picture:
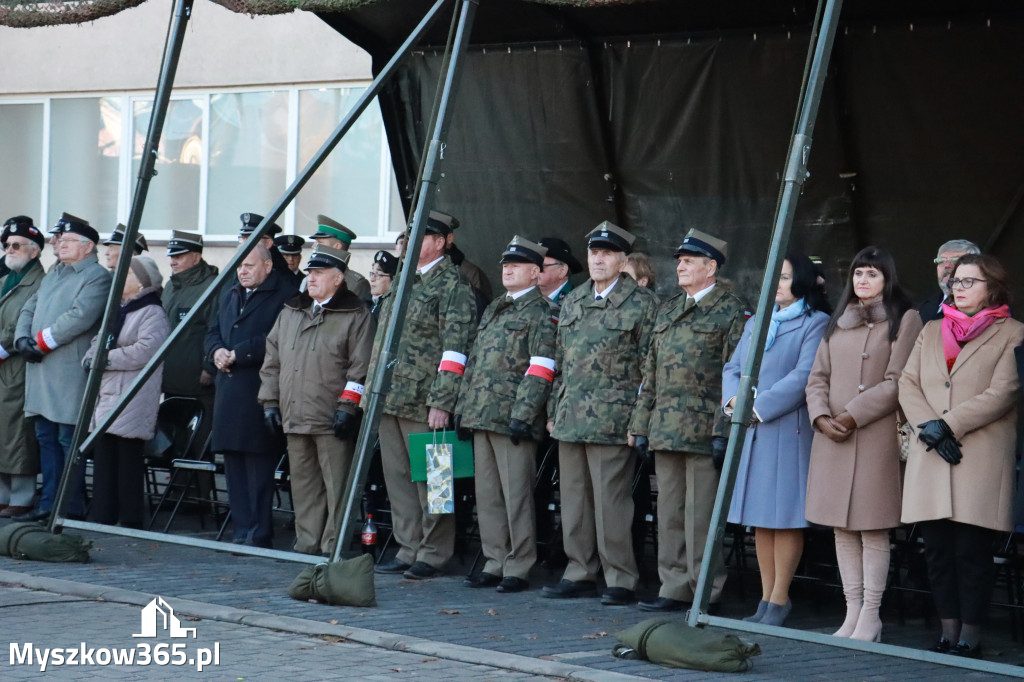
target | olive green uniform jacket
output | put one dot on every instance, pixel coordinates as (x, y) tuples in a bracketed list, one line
[(18, 453), (185, 361)]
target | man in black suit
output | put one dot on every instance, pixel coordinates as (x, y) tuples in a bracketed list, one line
[(945, 263)]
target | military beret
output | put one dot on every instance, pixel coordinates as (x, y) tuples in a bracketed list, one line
[(608, 235), (73, 224), (703, 244), (22, 226), (250, 221), (117, 237), (386, 261), (441, 223), (290, 244), (560, 251), (521, 250), (184, 242), (327, 228), (328, 257)]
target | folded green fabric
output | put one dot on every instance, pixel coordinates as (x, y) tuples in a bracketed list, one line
[(675, 644)]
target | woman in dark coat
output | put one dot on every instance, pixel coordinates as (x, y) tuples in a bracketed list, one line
[(236, 343), (771, 481)]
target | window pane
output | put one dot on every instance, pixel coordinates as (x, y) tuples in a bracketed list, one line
[(85, 146), (21, 139), (347, 185), (248, 146), (173, 198)]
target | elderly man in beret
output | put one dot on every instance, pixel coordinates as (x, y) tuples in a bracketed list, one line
[(330, 232), (114, 243), (53, 334), (604, 331), (312, 380), (19, 456), (679, 418)]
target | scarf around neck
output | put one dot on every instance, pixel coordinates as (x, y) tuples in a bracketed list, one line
[(958, 328), (780, 315)]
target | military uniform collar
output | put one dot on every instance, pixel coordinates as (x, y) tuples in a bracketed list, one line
[(426, 269), (437, 268), (525, 297), (619, 293)]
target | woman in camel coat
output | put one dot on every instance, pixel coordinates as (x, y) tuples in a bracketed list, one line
[(959, 389), (853, 480)]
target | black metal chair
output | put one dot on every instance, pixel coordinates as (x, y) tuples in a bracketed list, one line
[(177, 423)]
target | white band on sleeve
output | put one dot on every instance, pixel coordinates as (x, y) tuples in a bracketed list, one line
[(452, 361), (541, 367), (45, 340), (353, 392)]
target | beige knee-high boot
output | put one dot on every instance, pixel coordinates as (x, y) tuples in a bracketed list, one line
[(876, 572), (851, 571)]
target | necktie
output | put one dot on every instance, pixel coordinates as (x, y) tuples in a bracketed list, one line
[(598, 297), (690, 302)]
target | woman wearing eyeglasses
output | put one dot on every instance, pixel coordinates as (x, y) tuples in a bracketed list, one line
[(959, 389), (382, 272)]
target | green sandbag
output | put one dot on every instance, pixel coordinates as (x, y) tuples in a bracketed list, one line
[(302, 587), (32, 541), (346, 583), (675, 644)]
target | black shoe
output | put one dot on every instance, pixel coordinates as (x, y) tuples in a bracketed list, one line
[(966, 650), (34, 515), (393, 566), (570, 589), (942, 646), (510, 585), (482, 580), (421, 571), (618, 596), (663, 605)]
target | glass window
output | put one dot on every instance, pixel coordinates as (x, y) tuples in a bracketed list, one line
[(85, 149), (347, 186), (248, 149), (173, 199), (21, 139)]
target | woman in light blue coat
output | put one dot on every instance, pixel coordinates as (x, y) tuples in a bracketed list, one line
[(771, 482)]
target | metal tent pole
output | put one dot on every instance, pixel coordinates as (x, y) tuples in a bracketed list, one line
[(172, 51), (795, 173), (430, 177), (228, 270)]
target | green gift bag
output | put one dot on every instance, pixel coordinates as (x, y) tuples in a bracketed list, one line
[(462, 453)]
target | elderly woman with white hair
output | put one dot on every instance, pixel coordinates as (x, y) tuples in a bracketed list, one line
[(140, 329)]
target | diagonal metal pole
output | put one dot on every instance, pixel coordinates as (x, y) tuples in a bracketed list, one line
[(229, 269), (430, 177), (180, 15), (795, 173)]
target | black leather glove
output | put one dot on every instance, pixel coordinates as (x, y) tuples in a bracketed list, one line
[(461, 433), (28, 349), (272, 418), (345, 425), (949, 450), (931, 432), (718, 448), (642, 449), (518, 431)]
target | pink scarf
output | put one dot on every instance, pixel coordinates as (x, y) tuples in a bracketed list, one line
[(958, 328)]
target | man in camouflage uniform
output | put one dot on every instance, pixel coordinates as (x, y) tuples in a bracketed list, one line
[(679, 410), (507, 384), (603, 335), (440, 324)]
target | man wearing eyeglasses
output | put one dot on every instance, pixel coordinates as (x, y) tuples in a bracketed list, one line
[(945, 263), (382, 273), (53, 334), (19, 457)]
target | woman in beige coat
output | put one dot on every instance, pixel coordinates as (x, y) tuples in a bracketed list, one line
[(960, 387), (853, 480)]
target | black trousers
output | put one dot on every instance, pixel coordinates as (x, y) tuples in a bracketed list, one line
[(250, 478), (118, 481), (960, 568)]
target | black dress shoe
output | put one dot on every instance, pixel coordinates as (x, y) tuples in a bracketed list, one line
[(34, 515), (570, 589), (482, 580), (618, 596), (966, 650), (421, 571), (509, 585), (393, 566), (663, 605), (942, 646)]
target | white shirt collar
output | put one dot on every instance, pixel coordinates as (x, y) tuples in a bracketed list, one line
[(702, 293), (554, 294), (516, 295), (426, 268), (604, 294)]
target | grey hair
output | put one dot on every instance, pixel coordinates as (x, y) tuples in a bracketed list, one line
[(263, 252), (964, 245)]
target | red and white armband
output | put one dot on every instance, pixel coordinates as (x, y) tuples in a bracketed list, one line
[(45, 340), (3, 353), (541, 367), (353, 392), (452, 361)]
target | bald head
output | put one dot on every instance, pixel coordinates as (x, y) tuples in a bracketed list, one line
[(254, 270)]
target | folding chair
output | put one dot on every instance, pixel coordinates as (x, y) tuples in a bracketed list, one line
[(177, 423)]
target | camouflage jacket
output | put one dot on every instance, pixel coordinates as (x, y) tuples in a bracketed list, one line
[(599, 357), (506, 377), (679, 408), (441, 317)]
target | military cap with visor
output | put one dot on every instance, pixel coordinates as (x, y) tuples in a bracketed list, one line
[(290, 244), (521, 250), (387, 262), (610, 236), (441, 223), (21, 226), (250, 221), (328, 227), (703, 244), (69, 224), (184, 242), (117, 237), (559, 250), (328, 257)]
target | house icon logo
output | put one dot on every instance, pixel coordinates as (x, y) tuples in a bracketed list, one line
[(158, 615)]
